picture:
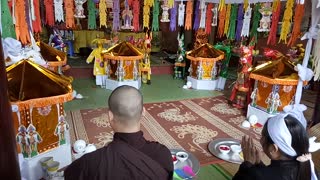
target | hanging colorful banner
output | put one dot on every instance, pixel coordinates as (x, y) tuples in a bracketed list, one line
[(276, 9), (50, 12), (7, 26), (197, 16), (189, 10), (36, 22), (227, 21), (58, 11), (155, 20), (239, 22), (222, 19), (298, 16), (136, 11), (255, 23), (233, 18), (246, 22), (173, 17), (286, 21), (92, 23), (103, 13), (208, 18), (69, 8), (21, 25), (203, 10), (146, 15), (181, 14), (116, 15)]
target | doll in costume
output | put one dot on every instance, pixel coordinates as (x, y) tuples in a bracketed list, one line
[(33, 139), (145, 64), (22, 139), (99, 67)]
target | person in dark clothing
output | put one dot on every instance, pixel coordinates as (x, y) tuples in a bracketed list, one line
[(285, 141), (129, 155)]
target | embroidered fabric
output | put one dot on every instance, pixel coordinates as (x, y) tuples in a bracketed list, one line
[(58, 11), (246, 23), (181, 14)]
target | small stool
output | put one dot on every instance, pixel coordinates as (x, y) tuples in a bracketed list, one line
[(179, 74)]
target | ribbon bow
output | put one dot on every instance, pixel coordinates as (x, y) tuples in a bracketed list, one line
[(312, 34), (304, 73)]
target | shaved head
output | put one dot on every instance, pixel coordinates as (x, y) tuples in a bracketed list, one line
[(126, 104)]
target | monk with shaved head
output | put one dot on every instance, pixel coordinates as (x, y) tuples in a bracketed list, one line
[(129, 155)]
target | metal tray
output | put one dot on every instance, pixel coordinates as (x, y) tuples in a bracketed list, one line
[(230, 157), (192, 161)]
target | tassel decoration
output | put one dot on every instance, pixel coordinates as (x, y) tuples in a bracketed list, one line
[(226, 24), (136, 11), (298, 16), (286, 21), (239, 22), (173, 17), (208, 18), (155, 13), (276, 9), (233, 18), (222, 19), (189, 10)]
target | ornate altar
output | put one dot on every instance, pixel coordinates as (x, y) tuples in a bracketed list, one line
[(37, 96), (274, 88), (204, 68), (122, 65)]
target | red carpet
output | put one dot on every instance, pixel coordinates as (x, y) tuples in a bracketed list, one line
[(188, 124)]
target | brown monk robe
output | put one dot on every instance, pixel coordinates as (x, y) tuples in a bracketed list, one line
[(129, 155)]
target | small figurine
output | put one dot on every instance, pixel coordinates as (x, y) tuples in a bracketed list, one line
[(33, 139), (200, 71), (22, 139), (79, 13), (265, 21), (246, 23), (146, 69), (61, 130), (254, 97), (120, 71), (127, 17), (147, 41), (56, 40), (165, 13)]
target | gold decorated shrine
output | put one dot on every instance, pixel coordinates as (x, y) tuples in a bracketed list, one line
[(37, 95), (203, 63), (276, 78), (123, 61), (55, 58)]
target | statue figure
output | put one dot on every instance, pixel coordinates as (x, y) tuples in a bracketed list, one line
[(127, 17), (79, 12), (254, 97), (33, 139), (147, 41), (165, 13), (200, 71), (120, 71), (61, 130), (265, 21), (22, 139)]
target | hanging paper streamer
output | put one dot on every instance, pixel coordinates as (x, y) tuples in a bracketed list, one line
[(21, 25), (255, 23), (215, 16), (286, 21), (233, 18), (116, 15), (155, 20), (298, 16), (246, 5), (58, 10), (226, 24), (36, 23), (189, 10), (239, 22), (181, 14), (208, 18), (69, 7), (170, 3), (222, 19), (197, 17), (203, 9), (92, 23), (276, 9), (146, 15), (222, 5), (173, 17), (6, 21), (50, 12), (148, 3), (246, 23), (136, 11), (103, 13), (28, 14)]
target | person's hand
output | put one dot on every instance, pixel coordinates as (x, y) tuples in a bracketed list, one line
[(250, 152)]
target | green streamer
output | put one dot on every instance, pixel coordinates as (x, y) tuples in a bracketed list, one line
[(155, 13), (255, 23), (6, 21), (225, 63), (92, 23), (233, 19)]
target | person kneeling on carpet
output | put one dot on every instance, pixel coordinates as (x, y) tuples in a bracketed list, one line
[(129, 155), (285, 141)]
